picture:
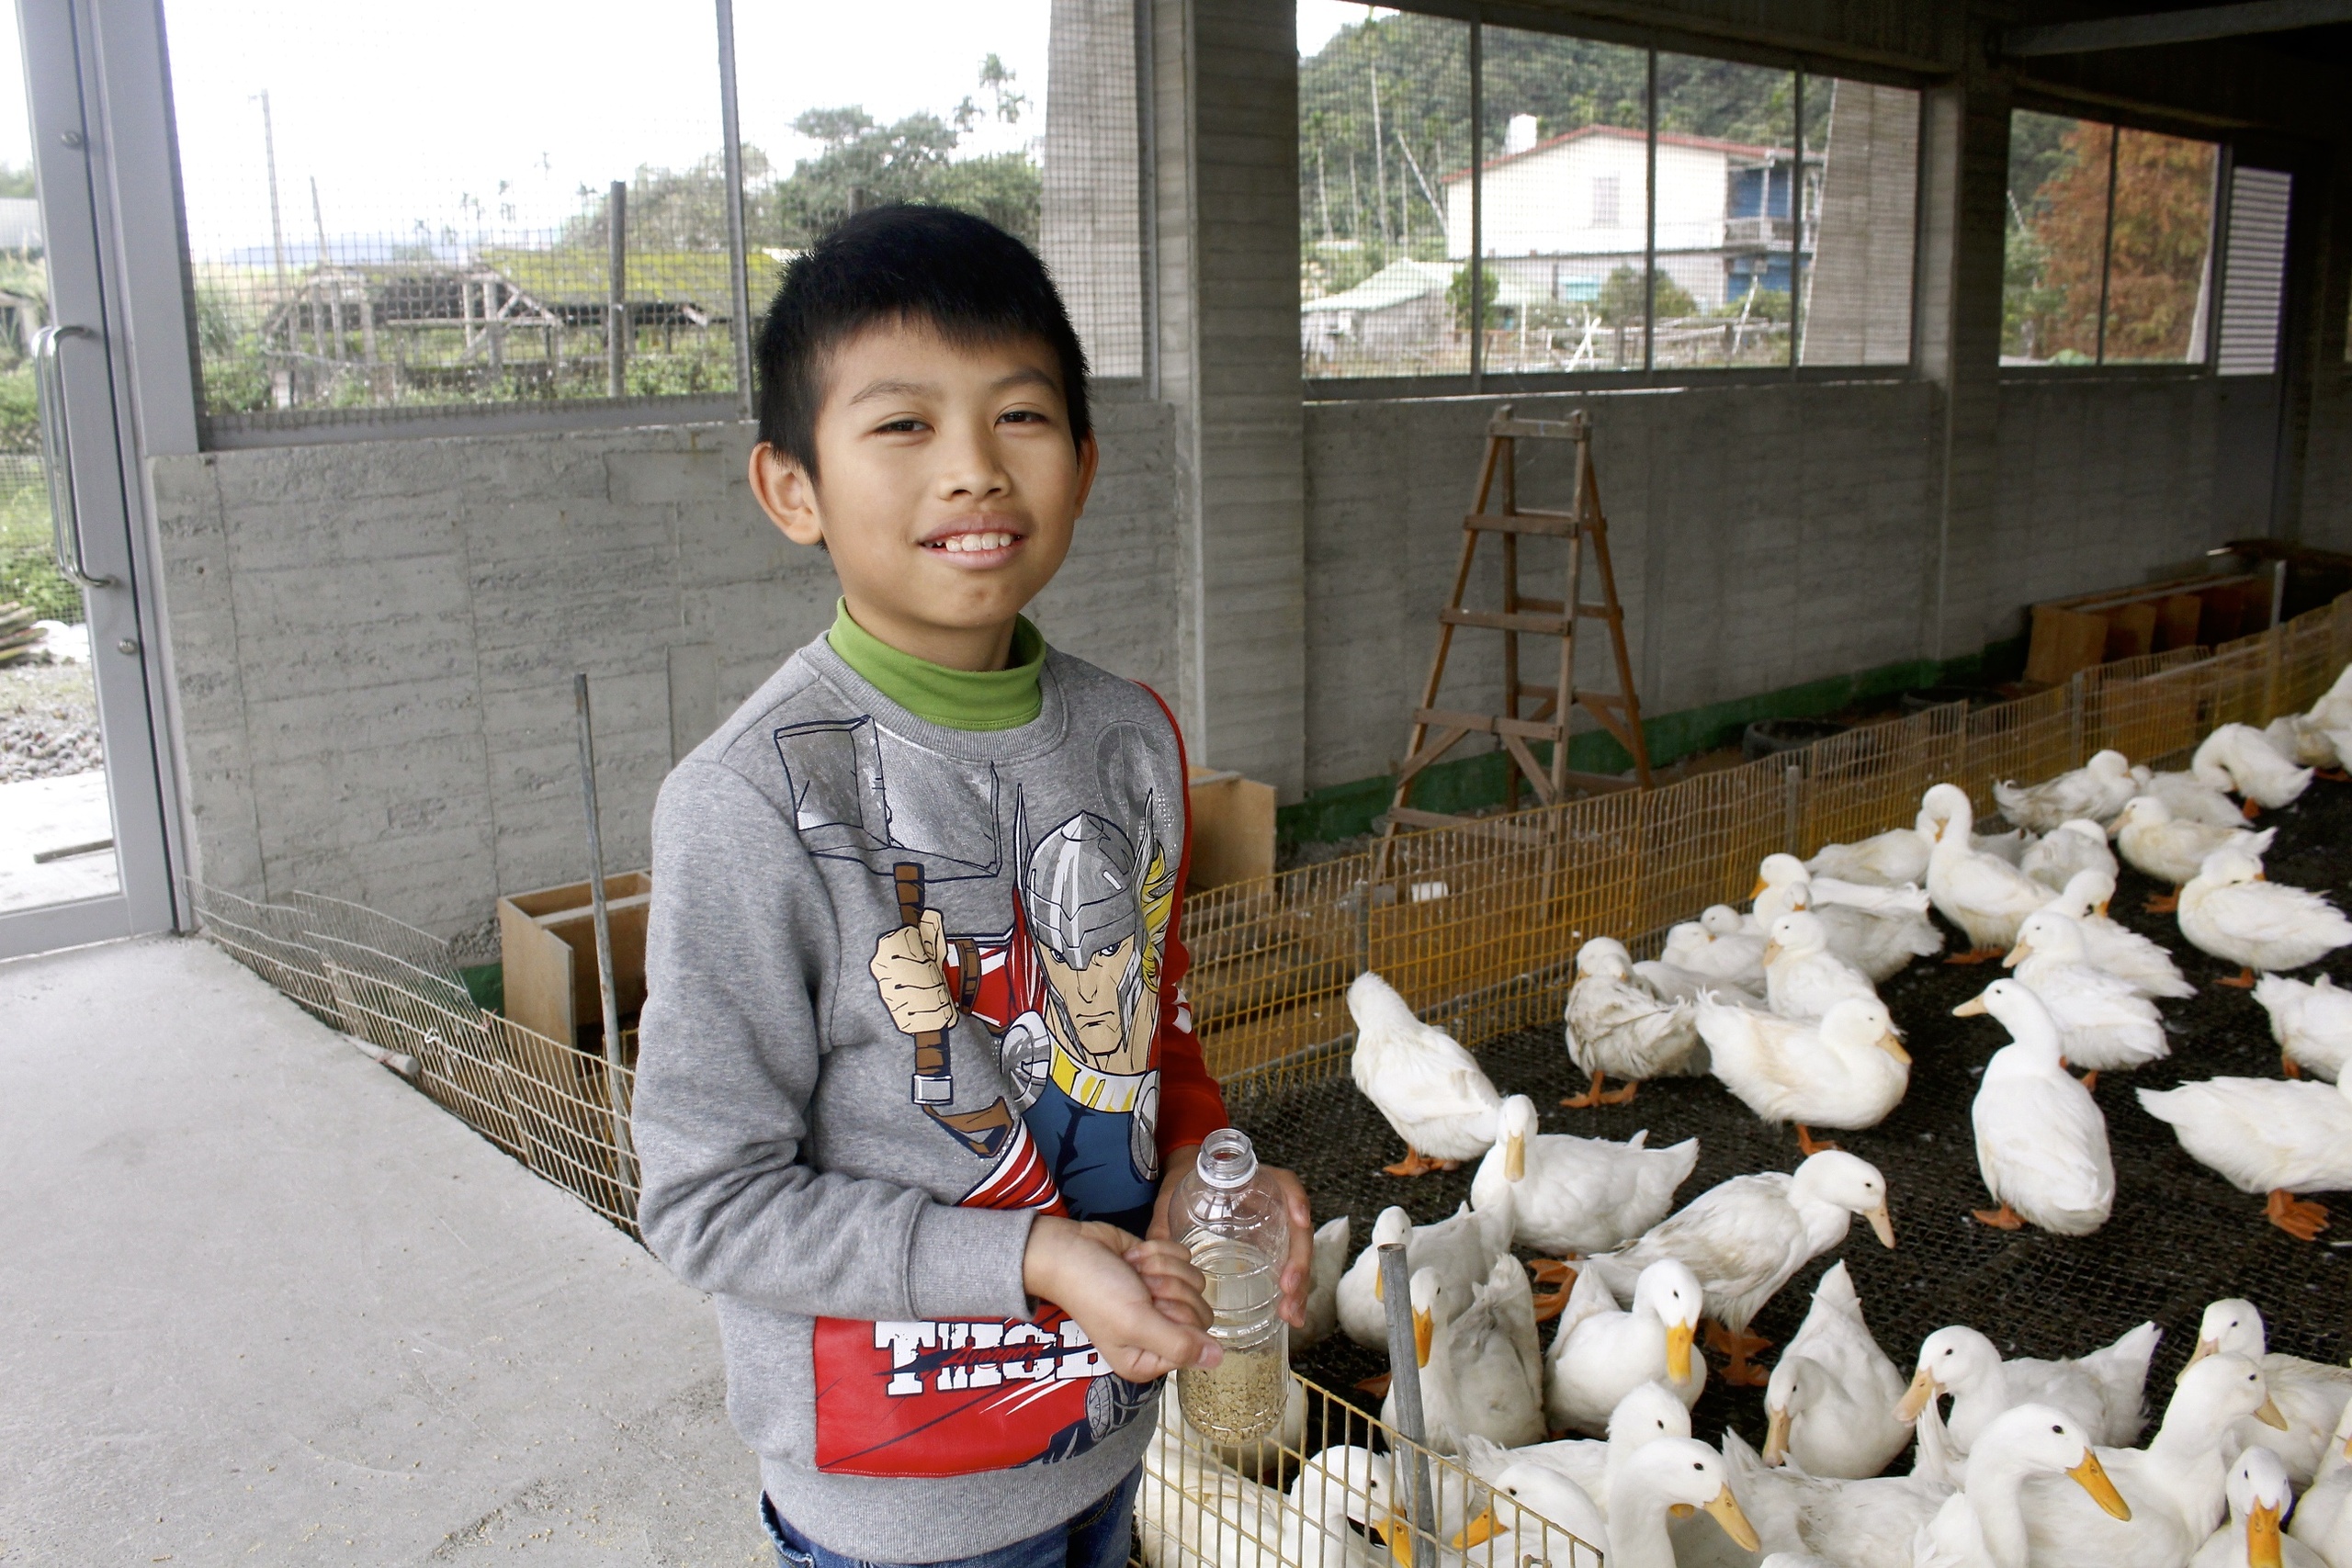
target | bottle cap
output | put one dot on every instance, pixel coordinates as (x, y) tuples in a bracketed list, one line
[(1227, 1159)]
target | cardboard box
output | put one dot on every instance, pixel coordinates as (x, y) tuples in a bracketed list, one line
[(547, 944), (1233, 828), (2093, 628)]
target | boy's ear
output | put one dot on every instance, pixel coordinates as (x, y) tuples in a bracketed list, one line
[(786, 494), (1090, 459)]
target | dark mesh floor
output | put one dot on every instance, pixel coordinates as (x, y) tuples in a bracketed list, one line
[(2179, 1236)]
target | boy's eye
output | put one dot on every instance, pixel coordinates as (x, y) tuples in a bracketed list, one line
[(901, 426), (1023, 416)]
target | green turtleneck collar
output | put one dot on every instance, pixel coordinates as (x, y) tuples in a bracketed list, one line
[(955, 699)]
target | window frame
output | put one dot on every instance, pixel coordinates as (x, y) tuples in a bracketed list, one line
[(2117, 119), (1480, 382)]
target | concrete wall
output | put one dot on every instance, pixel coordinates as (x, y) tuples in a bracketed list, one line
[(375, 641)]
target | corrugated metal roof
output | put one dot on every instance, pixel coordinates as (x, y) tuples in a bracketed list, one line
[(1391, 285)]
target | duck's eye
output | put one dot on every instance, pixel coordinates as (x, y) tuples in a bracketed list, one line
[(1696, 1465), (2059, 1430)]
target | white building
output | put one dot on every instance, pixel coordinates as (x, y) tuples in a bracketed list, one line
[(1562, 214)]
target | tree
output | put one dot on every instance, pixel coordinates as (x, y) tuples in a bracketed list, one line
[(1457, 293), (1620, 301), (2149, 256)]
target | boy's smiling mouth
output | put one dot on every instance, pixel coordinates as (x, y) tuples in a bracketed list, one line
[(974, 545)]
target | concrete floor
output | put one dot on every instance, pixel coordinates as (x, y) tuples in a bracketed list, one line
[(266, 1304), (40, 814)]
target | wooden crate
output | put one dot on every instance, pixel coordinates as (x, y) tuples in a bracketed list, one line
[(2099, 628), (1233, 828), (546, 942)]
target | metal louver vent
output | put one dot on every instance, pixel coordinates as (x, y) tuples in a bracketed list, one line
[(2254, 272)]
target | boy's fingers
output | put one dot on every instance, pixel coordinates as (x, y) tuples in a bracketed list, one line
[(1171, 1295)]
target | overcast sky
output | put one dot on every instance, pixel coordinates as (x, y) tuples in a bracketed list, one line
[(1319, 20), (401, 112)]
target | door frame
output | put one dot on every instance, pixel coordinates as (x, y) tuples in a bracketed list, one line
[(98, 96)]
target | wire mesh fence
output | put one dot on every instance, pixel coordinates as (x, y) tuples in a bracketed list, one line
[(1297, 1499), (1474, 924)]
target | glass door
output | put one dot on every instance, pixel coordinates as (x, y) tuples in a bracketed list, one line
[(82, 840)]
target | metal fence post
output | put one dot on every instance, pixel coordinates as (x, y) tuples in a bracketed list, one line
[(2077, 719), (616, 293), (1405, 1382), (1792, 779), (613, 1064)]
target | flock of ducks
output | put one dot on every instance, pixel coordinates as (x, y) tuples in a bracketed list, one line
[(2035, 1463)]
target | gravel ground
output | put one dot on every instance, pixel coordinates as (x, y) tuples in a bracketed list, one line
[(48, 722), (2180, 1235)]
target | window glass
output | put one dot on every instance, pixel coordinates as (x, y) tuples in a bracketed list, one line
[(1383, 117), (1861, 160), (1023, 111), (2056, 244), (1567, 190), (2158, 290), (1727, 175), (370, 225)]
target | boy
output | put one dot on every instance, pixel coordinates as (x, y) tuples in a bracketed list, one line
[(915, 1055)]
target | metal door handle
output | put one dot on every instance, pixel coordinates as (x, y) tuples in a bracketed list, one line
[(57, 458)]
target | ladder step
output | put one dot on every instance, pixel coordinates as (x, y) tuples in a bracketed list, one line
[(1528, 602), (1554, 524), (1488, 723), (1510, 833), (1499, 621)]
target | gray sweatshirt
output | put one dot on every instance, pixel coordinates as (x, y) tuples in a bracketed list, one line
[(908, 986)]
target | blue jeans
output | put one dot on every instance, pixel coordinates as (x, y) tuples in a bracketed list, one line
[(1097, 1537)]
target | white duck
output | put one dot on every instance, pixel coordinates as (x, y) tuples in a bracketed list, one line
[(2260, 1493), (1673, 983), (1328, 1263), (1600, 1354), (1879, 931), (1983, 1525), (2040, 1140), (2170, 848), (2312, 1396), (1830, 1401), (1461, 1248), (2268, 1137), (2102, 1023), (1868, 1523), (2115, 948), (1746, 1236), (2333, 710), (1483, 1371), (2175, 1485), (1845, 1071), (2312, 1025), (1566, 1195), (1888, 859), (1669, 1477), (1646, 1414), (1803, 979), (1983, 894), (1723, 949), (1618, 1027), (1430, 1089), (2188, 800), (2228, 909), (1525, 1498), (2103, 1390), (1193, 1511), (2298, 738), (2095, 790), (2241, 759), (2075, 845), (2321, 1520)]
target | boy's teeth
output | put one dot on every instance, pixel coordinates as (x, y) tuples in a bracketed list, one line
[(964, 543)]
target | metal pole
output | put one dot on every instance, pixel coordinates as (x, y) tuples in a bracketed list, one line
[(1797, 214), (1405, 1382), (739, 278), (603, 921), (1477, 216), (276, 228), (616, 295), (1792, 783), (1649, 225)]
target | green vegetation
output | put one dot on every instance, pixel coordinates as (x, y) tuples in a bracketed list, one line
[(1620, 300), (29, 572)]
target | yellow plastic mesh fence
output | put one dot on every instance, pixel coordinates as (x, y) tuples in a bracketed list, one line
[(1298, 1498), (1476, 924)]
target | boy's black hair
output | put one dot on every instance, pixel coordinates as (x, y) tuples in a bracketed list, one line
[(960, 274)]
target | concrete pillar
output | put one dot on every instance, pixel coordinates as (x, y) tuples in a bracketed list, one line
[(1963, 191), (1091, 221), (1224, 106), (1858, 298)]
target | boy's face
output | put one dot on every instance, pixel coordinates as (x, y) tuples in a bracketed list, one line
[(948, 489)]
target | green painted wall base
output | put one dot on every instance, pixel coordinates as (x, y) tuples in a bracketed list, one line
[(1471, 784)]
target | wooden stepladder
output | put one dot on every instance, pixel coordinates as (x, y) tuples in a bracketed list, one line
[(1531, 711)]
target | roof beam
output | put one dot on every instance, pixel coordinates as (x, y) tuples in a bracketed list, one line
[(2173, 27)]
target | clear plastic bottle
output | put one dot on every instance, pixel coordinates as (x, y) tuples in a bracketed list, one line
[(1238, 1230)]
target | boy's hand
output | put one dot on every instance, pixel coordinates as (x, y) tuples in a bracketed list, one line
[(906, 967), (1139, 1302), (1302, 1227)]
